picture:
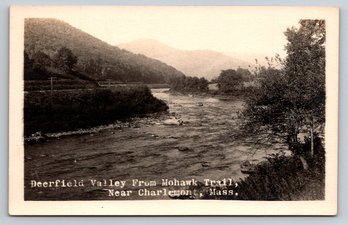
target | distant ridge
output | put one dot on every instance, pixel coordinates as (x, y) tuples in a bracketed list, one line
[(201, 63)]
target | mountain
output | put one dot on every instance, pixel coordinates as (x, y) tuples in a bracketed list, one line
[(201, 63), (254, 59), (96, 59)]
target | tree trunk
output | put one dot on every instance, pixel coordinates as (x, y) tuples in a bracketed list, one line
[(312, 139), (304, 163)]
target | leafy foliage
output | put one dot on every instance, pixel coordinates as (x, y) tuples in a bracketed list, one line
[(293, 97), (281, 179), (230, 81), (65, 59), (189, 84), (40, 68), (69, 110)]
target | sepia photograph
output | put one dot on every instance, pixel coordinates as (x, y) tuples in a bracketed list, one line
[(232, 109)]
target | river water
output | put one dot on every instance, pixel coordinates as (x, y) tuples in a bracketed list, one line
[(147, 149)]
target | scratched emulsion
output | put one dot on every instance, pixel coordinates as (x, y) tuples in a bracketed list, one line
[(203, 147)]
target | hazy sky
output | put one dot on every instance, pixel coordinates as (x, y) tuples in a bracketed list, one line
[(248, 31)]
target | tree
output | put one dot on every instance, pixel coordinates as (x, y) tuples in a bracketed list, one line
[(65, 59), (305, 66), (41, 59), (293, 97), (203, 84), (230, 81), (37, 66), (246, 74), (27, 61), (189, 84), (28, 66)]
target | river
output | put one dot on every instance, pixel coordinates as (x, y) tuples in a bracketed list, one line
[(203, 147)]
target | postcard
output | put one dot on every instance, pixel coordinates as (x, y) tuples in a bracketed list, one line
[(173, 110)]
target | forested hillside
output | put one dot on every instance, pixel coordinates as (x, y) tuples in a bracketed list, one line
[(95, 59), (199, 63)]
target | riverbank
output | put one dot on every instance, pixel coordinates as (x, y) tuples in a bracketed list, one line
[(119, 123), (209, 94), (115, 126), (57, 111), (280, 179)]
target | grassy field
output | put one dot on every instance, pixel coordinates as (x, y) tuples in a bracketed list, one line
[(72, 109)]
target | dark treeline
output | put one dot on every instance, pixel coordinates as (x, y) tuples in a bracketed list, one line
[(40, 65), (39, 68), (229, 82), (69, 110), (189, 84), (69, 73)]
